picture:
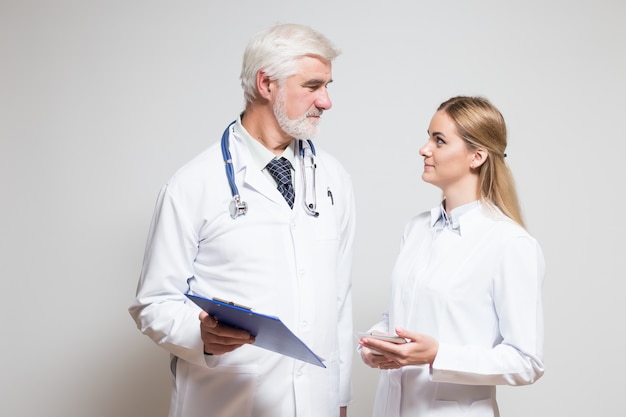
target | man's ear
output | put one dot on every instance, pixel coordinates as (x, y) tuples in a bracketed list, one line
[(264, 85), (480, 156)]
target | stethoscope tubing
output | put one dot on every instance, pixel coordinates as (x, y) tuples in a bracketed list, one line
[(228, 161)]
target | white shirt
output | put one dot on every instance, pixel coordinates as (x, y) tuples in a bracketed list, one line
[(260, 156), (279, 261), (474, 284)]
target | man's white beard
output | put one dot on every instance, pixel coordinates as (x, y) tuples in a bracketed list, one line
[(301, 128)]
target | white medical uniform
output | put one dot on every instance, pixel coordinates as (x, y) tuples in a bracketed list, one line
[(473, 282), (279, 261)]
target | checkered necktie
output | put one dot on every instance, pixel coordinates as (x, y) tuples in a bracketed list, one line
[(281, 171)]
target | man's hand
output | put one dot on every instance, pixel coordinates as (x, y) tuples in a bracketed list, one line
[(219, 338)]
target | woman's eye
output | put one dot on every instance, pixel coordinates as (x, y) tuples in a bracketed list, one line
[(439, 140)]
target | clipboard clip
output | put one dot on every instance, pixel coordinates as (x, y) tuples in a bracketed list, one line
[(232, 303)]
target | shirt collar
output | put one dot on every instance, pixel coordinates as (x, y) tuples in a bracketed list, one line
[(259, 154), (440, 219)]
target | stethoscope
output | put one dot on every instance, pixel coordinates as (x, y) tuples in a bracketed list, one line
[(306, 154)]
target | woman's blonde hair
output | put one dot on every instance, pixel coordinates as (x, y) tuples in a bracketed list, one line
[(482, 125)]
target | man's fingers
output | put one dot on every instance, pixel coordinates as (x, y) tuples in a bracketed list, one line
[(210, 326), (207, 320)]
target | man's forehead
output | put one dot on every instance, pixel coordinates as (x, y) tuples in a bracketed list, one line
[(314, 70)]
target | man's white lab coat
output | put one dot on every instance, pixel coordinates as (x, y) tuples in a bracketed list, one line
[(279, 262)]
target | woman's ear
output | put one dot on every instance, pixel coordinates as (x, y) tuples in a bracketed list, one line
[(480, 156)]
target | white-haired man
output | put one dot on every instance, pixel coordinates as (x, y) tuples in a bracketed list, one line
[(282, 246)]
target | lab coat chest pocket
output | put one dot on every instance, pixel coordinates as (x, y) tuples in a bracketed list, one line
[(326, 225), (326, 228)]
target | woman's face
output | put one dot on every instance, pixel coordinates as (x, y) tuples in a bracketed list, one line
[(447, 159)]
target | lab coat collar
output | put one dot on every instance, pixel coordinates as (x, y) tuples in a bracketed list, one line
[(440, 219)]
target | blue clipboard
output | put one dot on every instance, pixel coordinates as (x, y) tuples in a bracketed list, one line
[(269, 331)]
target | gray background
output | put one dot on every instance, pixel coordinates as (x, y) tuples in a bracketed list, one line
[(100, 101)]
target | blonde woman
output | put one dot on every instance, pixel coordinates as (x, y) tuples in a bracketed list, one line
[(466, 286)]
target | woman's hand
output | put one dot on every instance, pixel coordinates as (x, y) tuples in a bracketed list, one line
[(376, 358), (420, 349)]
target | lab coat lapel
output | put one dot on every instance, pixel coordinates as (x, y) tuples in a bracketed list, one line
[(253, 178)]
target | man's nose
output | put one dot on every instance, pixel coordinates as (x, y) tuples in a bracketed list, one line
[(323, 100)]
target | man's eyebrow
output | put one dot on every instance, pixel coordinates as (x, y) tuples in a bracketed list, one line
[(316, 81)]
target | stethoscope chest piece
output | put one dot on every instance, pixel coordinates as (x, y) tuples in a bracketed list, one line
[(237, 207)]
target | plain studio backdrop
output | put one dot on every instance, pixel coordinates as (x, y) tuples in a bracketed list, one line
[(101, 101)]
